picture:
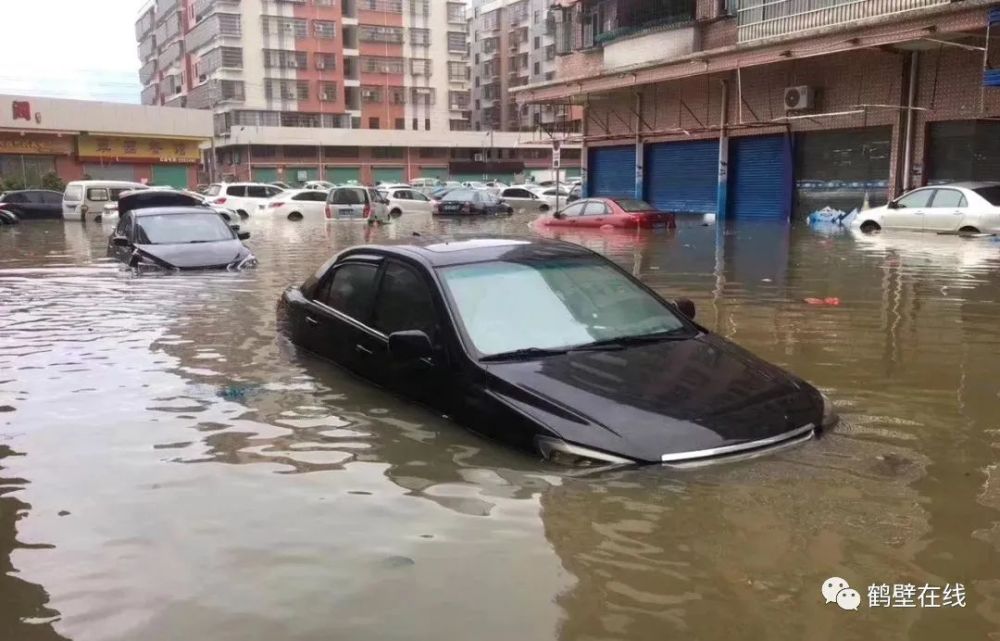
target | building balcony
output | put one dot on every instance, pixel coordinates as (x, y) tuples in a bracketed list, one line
[(169, 28), (204, 8), (147, 48), (217, 26), (147, 72), (145, 23), (214, 93), (170, 55), (150, 95), (760, 19)]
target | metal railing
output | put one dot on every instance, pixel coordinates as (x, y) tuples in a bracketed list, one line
[(212, 28), (147, 72), (204, 8), (758, 19), (150, 95), (171, 54)]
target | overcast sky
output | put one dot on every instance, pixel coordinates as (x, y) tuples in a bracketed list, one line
[(96, 56)]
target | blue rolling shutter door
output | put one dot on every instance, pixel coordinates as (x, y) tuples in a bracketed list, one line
[(611, 172), (683, 176), (760, 177)]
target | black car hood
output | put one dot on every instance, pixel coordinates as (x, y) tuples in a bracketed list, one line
[(196, 255), (648, 400)]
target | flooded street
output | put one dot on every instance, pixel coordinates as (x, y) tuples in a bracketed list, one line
[(172, 469)]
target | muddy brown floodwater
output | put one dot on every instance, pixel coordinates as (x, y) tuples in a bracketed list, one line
[(171, 469)]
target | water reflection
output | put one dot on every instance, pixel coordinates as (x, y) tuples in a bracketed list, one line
[(178, 471)]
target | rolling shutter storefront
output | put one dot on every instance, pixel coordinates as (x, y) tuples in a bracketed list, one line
[(834, 168), (343, 175), (265, 174), (760, 178), (611, 172), (175, 176), (963, 150), (388, 175), (110, 172), (682, 176)]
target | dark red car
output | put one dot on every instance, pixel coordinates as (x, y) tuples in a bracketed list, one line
[(627, 213)]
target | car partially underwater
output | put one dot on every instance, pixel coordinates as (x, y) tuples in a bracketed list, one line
[(159, 229), (550, 347)]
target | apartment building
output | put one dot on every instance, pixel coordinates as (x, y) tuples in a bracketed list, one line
[(512, 44), (339, 90), (768, 109)]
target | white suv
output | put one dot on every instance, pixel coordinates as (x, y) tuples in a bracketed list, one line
[(243, 198)]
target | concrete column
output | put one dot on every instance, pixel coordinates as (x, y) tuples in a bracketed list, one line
[(722, 195), (640, 147), (584, 161)]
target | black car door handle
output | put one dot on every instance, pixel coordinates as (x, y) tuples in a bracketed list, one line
[(361, 349), (311, 320)]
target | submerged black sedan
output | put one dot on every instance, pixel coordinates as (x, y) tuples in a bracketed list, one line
[(172, 230), (547, 345)]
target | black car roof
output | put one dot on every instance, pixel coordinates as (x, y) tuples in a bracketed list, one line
[(160, 211), (436, 251)]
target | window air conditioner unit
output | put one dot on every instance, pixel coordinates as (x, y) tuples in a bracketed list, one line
[(797, 98)]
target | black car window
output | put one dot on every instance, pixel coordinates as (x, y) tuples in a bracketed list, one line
[(310, 196), (460, 195), (574, 210), (948, 198), (120, 227), (14, 199), (404, 302), (346, 197), (991, 194), (236, 190), (258, 191), (594, 208), (74, 193), (52, 198), (97, 194), (517, 193), (350, 290)]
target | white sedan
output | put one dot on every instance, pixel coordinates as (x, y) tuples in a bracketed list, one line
[(959, 207), (296, 204), (406, 200), (320, 185)]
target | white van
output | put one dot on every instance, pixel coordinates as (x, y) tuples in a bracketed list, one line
[(85, 199), (243, 198)]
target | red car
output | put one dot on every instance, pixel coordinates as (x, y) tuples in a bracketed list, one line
[(627, 213)]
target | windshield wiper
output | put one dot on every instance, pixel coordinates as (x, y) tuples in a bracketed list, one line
[(680, 333), (525, 353)]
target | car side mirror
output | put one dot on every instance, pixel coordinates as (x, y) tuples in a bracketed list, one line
[(410, 345), (892, 204), (686, 307), (234, 227), (119, 241), (559, 215), (243, 235)]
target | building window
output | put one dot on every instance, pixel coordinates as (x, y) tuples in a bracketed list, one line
[(458, 100), (371, 95), (277, 26), (380, 64), (458, 125), (397, 96), (420, 36), (491, 21), (422, 96), (387, 6), (538, 42), (400, 123), (373, 123), (420, 7), (490, 45), (538, 68), (376, 33), (456, 42), (325, 60), (328, 91), (415, 127), (277, 88), (478, 107), (420, 66), (387, 153), (550, 75), (324, 28), (281, 59), (427, 124), (456, 12), (550, 52), (456, 71)]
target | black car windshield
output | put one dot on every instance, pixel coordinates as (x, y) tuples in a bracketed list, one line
[(560, 304), (991, 194), (631, 204), (175, 229)]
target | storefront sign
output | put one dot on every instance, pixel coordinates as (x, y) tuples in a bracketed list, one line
[(36, 144), (121, 148)]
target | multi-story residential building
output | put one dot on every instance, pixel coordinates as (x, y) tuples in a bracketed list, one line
[(512, 44), (343, 90), (758, 108)]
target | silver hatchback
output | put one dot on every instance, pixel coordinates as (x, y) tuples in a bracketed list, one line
[(357, 203)]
